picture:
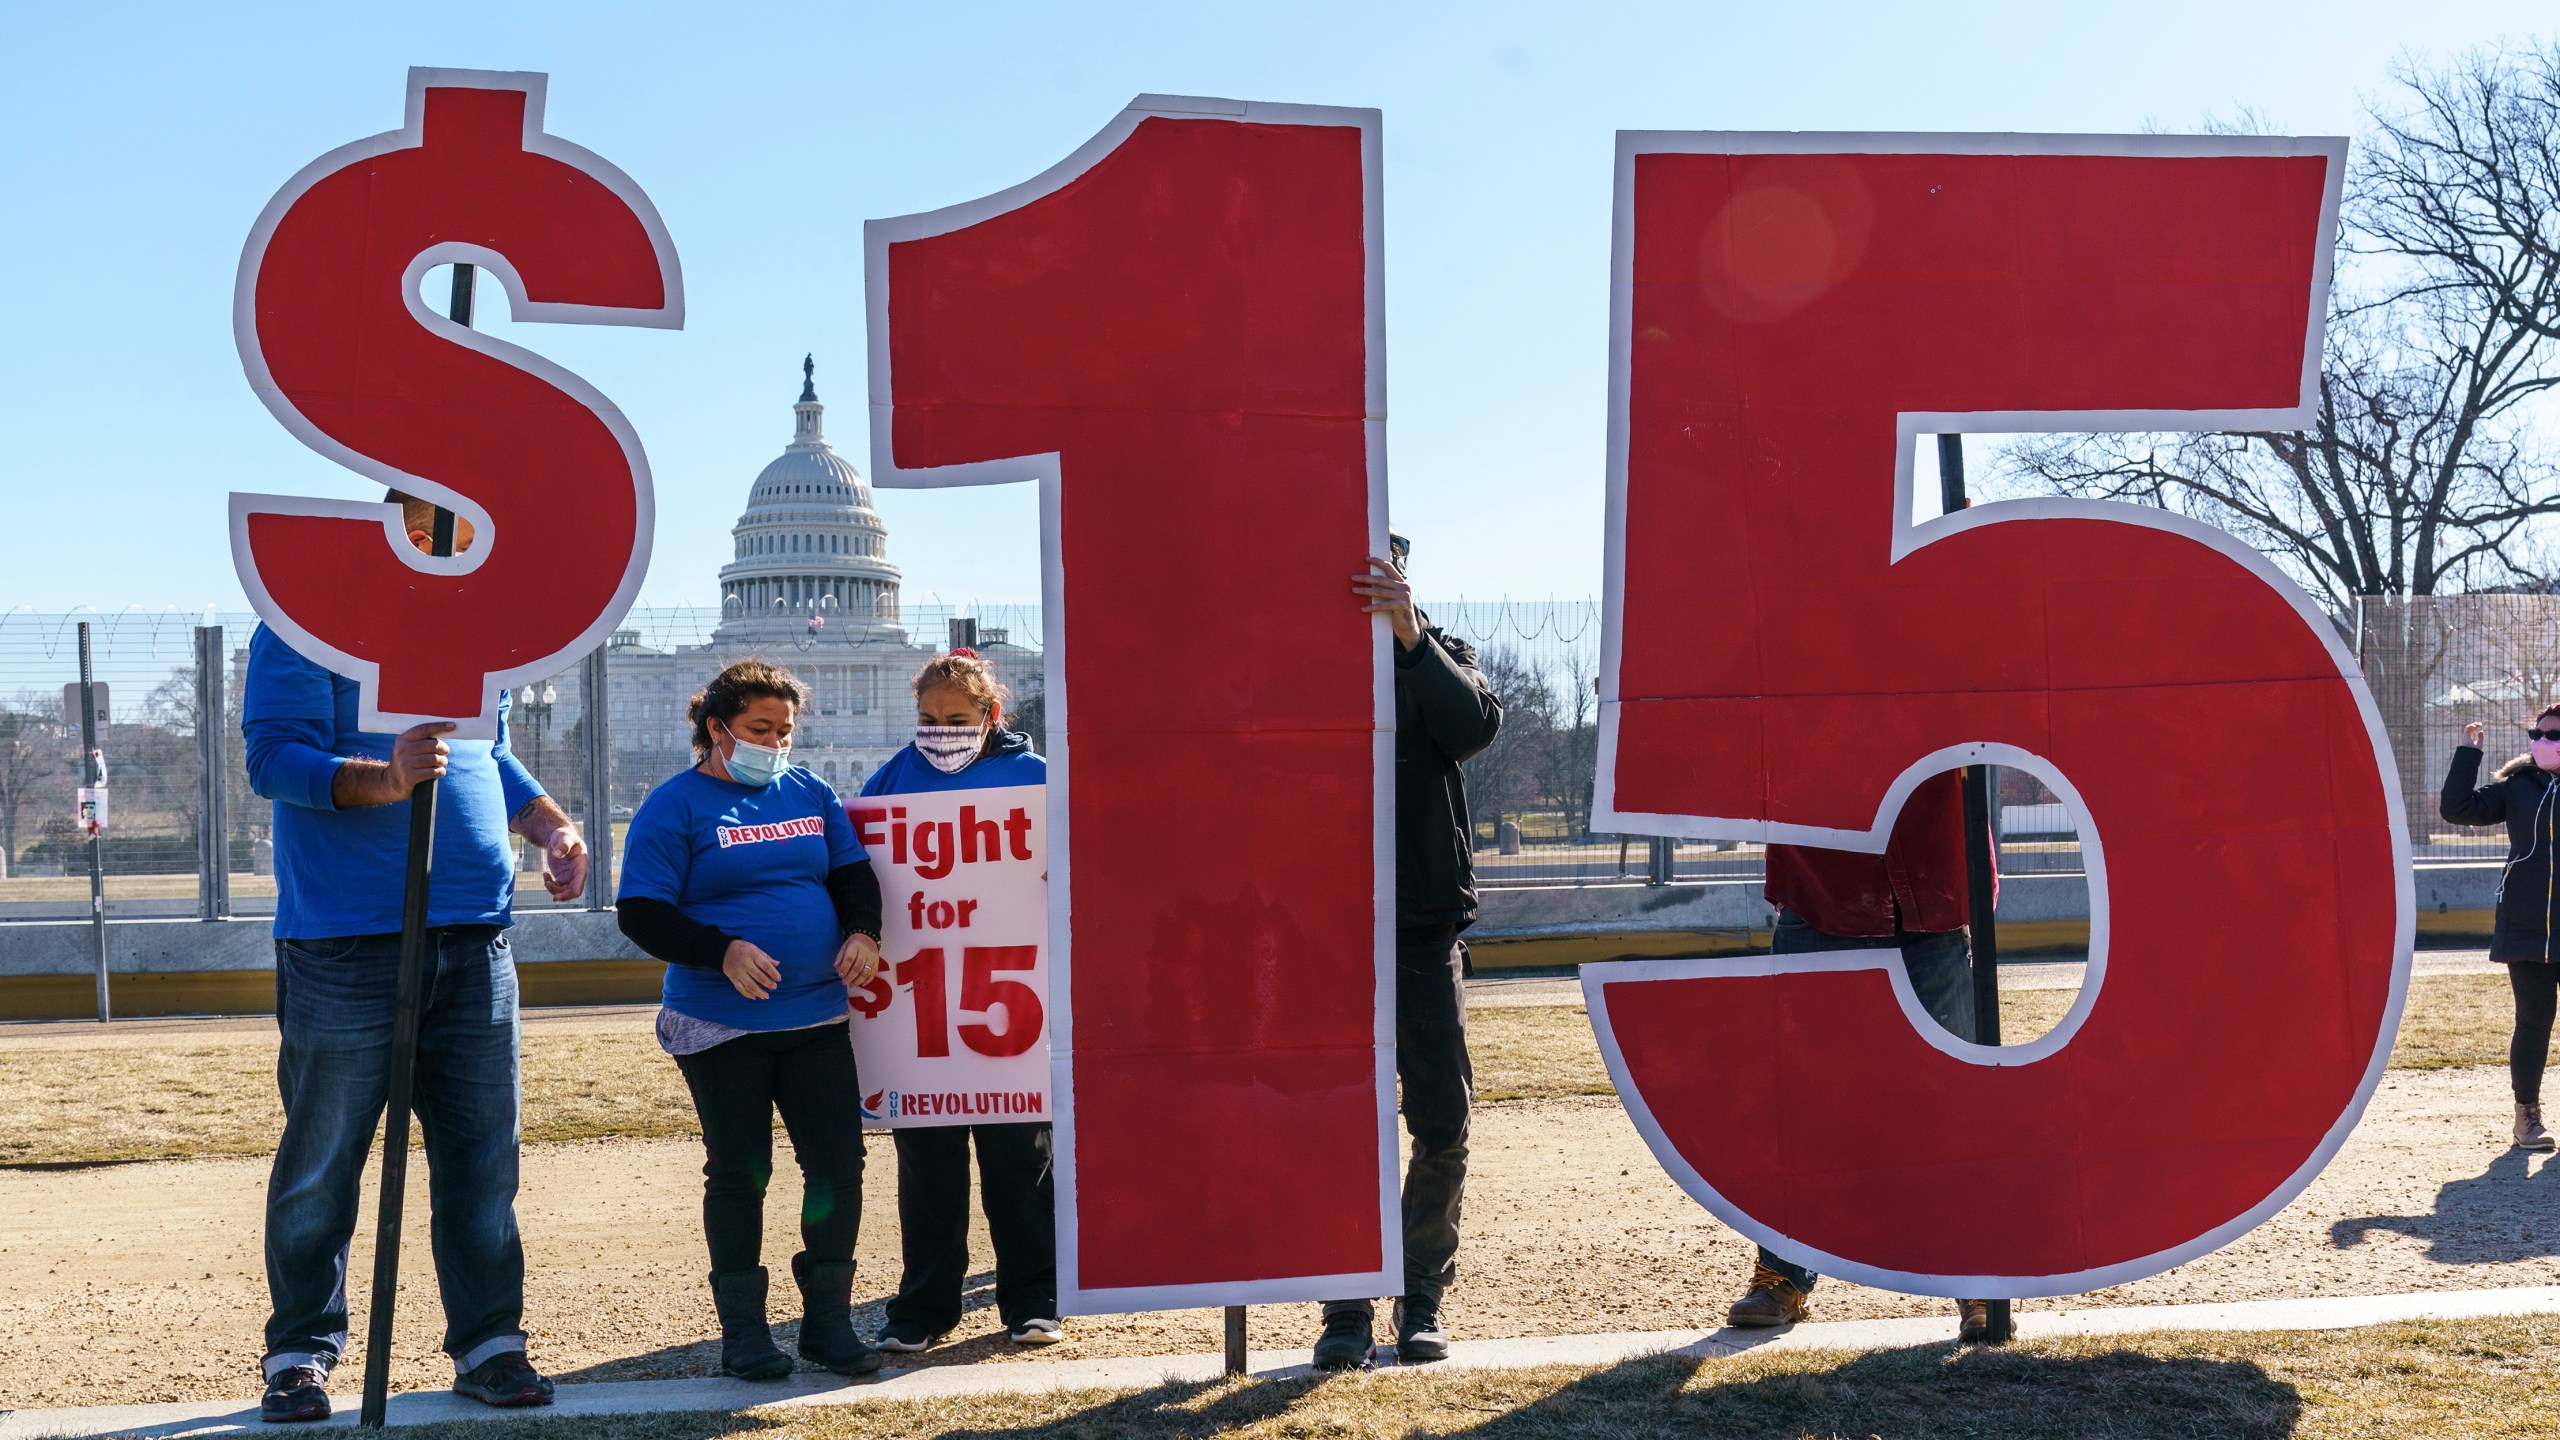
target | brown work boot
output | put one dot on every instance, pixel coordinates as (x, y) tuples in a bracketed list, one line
[(2529, 1132), (1772, 1299), (1973, 1321)]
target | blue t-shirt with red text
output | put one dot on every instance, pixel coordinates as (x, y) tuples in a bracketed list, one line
[(752, 862)]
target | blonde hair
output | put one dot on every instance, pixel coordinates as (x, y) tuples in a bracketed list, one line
[(730, 692), (963, 671)]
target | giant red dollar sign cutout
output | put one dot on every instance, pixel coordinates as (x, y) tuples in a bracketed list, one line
[(341, 348), (1175, 332), (1787, 654)]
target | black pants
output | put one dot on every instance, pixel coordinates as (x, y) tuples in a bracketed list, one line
[(2537, 988), (737, 1085), (1014, 1183), (1439, 1084)]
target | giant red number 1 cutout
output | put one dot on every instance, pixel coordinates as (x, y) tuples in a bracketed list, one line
[(1175, 332), (343, 350), (1787, 655)]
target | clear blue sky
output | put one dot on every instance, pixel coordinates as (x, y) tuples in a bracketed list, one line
[(138, 142)]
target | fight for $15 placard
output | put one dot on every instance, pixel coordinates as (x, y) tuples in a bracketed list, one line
[(954, 1030)]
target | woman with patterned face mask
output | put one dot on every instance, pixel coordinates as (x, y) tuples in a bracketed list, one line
[(962, 744), (744, 874), (2525, 794)]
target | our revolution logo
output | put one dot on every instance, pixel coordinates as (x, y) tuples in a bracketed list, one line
[(1015, 1104), (758, 834)]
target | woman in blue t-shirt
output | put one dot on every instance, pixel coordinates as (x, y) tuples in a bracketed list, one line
[(961, 744), (744, 875)]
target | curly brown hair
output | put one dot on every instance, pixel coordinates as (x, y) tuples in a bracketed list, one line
[(733, 689)]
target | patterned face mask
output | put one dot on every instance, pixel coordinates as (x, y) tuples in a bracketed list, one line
[(950, 748)]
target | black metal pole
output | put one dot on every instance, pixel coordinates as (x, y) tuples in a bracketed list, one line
[(1235, 1340), (404, 1032), (93, 776), (1981, 863)]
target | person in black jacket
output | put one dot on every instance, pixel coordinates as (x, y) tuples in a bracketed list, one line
[(1444, 713), (2525, 793)]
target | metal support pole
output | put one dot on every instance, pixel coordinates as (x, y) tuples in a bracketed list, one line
[(599, 781), (93, 774), (404, 1033), (1981, 862), (1235, 1340), (213, 817)]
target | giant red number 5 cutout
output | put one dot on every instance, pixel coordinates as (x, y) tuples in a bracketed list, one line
[(1175, 332), (339, 345), (1787, 655)]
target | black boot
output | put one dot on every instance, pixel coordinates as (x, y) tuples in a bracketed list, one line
[(746, 1339), (827, 1336)]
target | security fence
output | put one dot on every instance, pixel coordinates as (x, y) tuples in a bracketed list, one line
[(177, 845), (2438, 663), (186, 835)]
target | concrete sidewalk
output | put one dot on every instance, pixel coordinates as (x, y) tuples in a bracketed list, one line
[(638, 1397)]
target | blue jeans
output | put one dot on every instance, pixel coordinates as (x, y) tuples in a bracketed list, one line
[(334, 1004), (1941, 968)]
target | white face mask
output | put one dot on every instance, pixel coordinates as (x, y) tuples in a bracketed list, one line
[(950, 748)]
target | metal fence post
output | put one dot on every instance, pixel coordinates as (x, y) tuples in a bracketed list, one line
[(213, 820), (599, 781), (93, 776)]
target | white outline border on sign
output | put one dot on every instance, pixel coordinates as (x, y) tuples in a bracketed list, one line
[(244, 328), (877, 236), (1908, 536)]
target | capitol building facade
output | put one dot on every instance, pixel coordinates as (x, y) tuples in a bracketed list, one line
[(809, 586)]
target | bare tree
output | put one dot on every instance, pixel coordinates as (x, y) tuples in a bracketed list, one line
[(1506, 777), (2421, 473), (34, 760)]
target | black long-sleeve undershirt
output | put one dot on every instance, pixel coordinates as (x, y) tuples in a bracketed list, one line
[(665, 931)]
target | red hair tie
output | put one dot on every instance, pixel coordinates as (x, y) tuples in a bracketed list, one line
[(964, 651)]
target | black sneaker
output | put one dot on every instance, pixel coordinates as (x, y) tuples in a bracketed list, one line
[(899, 1337), (1419, 1337), (297, 1392), (1346, 1341), (506, 1381)]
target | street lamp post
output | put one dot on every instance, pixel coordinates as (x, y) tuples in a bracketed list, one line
[(534, 702)]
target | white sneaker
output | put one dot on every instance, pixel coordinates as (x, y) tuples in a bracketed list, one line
[(2529, 1132), (1039, 1332)]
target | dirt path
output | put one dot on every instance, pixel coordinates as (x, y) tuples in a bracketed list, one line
[(142, 1282)]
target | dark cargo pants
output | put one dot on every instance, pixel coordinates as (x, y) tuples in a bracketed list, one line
[(1439, 1085)]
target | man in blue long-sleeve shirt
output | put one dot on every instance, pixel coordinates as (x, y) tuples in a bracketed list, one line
[(341, 843)]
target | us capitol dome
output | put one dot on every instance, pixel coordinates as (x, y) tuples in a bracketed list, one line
[(809, 543), (809, 587)]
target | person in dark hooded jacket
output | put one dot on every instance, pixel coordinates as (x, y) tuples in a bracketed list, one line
[(1445, 712), (2525, 793)]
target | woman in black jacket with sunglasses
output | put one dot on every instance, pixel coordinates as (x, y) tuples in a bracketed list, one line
[(2525, 793)]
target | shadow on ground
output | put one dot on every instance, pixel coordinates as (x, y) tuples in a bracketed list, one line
[(2501, 1214), (702, 1357), (1906, 1394)]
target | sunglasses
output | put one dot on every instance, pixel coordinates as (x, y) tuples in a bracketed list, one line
[(2542, 734)]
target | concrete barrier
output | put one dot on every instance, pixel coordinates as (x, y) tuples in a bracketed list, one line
[(578, 957), (227, 967)]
